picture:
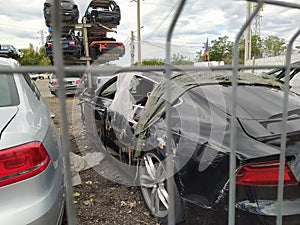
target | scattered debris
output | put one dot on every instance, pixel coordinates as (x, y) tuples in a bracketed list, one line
[(81, 163)]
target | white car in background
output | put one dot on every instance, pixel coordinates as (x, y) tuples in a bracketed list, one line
[(34, 76), (41, 76), (71, 83)]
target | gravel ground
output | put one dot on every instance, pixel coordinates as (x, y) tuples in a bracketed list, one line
[(98, 200)]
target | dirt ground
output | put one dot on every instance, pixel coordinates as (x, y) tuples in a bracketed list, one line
[(99, 200)]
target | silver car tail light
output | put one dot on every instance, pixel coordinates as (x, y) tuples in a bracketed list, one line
[(22, 162)]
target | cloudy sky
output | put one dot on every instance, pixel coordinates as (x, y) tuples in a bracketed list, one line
[(22, 22)]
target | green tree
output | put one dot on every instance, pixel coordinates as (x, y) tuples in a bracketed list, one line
[(199, 57), (34, 58), (256, 48), (274, 46), (178, 59), (221, 50), (152, 62)]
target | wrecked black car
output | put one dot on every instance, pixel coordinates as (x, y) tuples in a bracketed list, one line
[(279, 73), (70, 43), (294, 76), (114, 49), (125, 117), (9, 51), (69, 12), (104, 12)]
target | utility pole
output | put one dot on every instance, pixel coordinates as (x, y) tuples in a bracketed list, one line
[(132, 48), (139, 32), (41, 32), (247, 55), (86, 47)]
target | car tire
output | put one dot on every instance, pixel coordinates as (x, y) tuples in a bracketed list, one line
[(153, 186)]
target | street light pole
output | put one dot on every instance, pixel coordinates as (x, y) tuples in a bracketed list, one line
[(138, 32), (132, 48), (247, 55), (41, 32)]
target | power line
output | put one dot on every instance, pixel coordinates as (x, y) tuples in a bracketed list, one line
[(149, 43), (175, 48), (156, 29)]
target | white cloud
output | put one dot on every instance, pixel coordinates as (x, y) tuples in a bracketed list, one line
[(20, 22)]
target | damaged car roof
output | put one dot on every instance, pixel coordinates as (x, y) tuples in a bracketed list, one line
[(182, 82)]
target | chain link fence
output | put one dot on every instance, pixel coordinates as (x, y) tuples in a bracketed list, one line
[(60, 68)]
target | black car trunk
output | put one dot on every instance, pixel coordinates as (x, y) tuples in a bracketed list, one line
[(260, 112)]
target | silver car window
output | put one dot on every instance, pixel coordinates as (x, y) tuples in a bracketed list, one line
[(32, 85), (8, 91)]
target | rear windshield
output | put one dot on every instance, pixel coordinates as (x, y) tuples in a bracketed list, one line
[(8, 91)]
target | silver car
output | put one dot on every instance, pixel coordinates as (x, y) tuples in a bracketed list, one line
[(31, 162), (71, 83)]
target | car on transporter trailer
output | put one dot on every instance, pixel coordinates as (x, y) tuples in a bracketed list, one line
[(71, 44), (106, 47), (69, 12), (104, 12)]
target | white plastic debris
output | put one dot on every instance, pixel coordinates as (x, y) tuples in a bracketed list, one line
[(80, 163)]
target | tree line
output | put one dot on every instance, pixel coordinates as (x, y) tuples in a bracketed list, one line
[(220, 49)]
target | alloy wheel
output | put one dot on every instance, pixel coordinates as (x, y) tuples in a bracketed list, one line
[(152, 175)]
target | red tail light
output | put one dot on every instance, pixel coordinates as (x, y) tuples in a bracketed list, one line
[(54, 83), (72, 43), (77, 82), (264, 174), (49, 44), (22, 162)]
